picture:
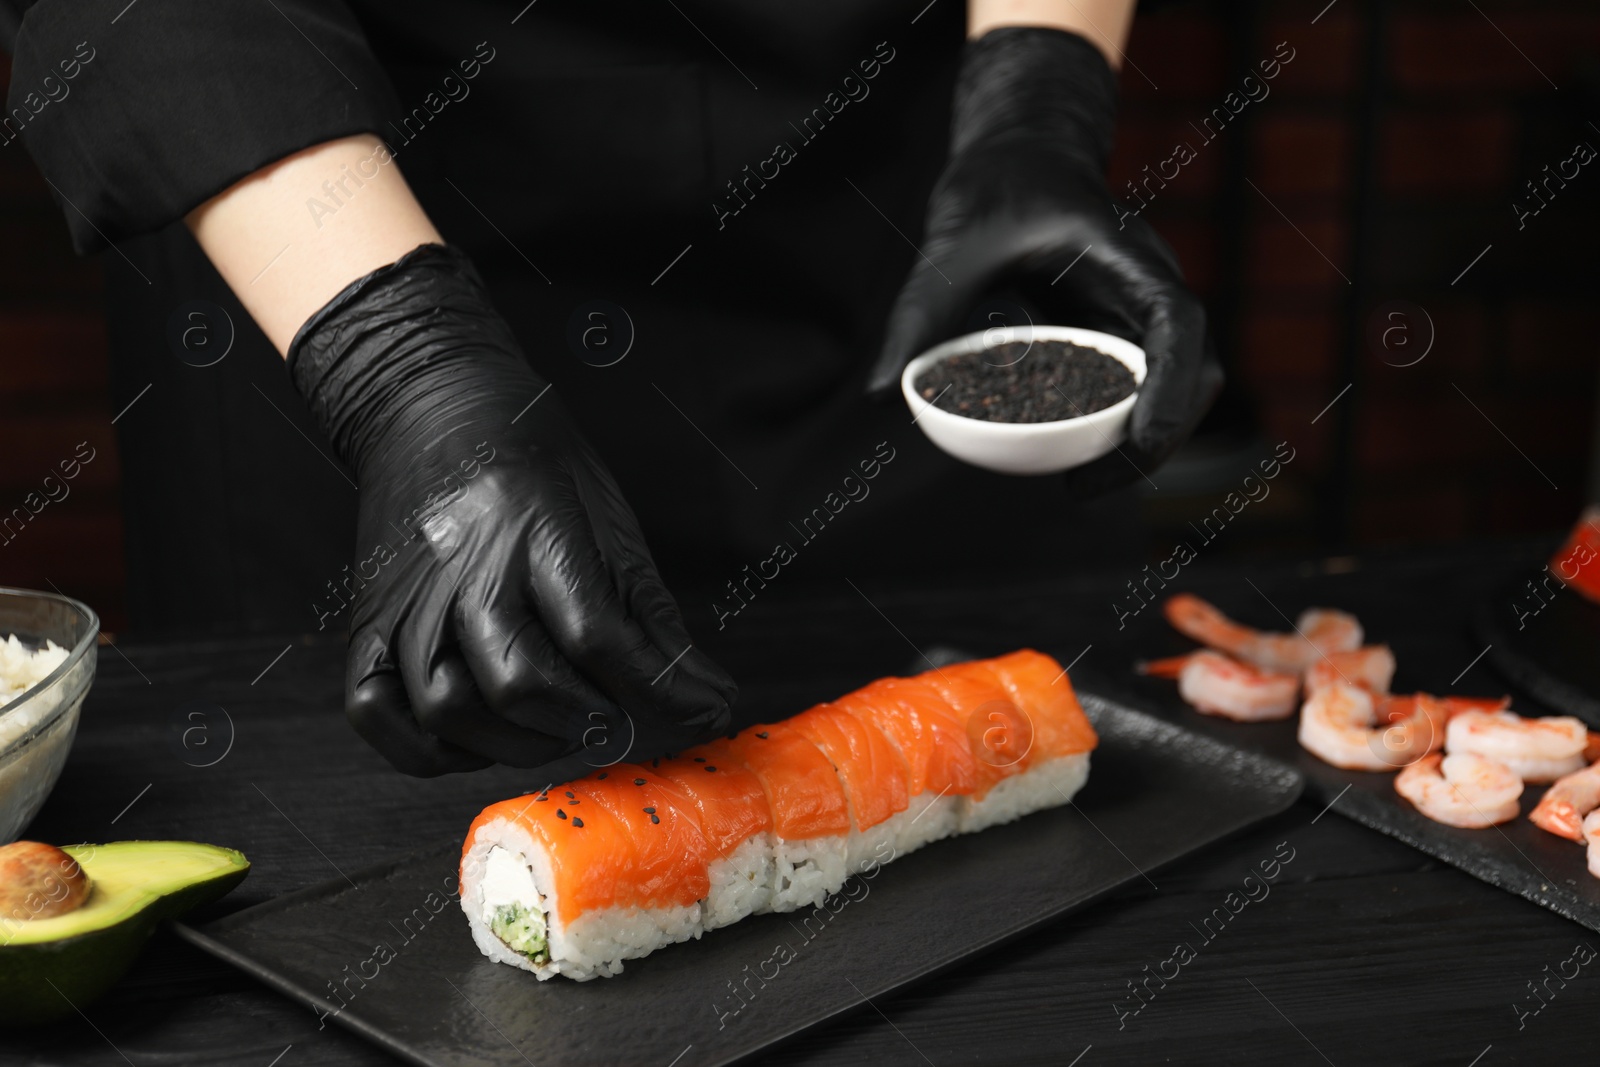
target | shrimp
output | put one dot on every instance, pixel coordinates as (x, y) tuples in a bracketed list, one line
[(1170, 667), (1538, 750), (1217, 685), (1462, 789), (1563, 806), (1591, 833), (1370, 667), (1454, 706), (1339, 725), (1318, 632)]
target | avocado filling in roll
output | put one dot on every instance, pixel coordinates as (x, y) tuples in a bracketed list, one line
[(512, 906), (522, 931)]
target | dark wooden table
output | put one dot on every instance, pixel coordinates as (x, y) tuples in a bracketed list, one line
[(1363, 952)]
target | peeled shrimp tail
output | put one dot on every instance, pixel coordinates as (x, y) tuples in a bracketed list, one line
[(1463, 789), (1565, 804), (1319, 632), (1340, 725), (1591, 834), (1170, 667)]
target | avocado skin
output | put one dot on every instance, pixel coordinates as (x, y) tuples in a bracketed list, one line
[(82, 967)]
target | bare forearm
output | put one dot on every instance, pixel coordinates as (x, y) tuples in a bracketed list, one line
[(288, 238), (1105, 22)]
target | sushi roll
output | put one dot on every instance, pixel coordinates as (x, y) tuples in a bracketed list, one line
[(810, 811), (736, 822), (581, 877), (999, 734), (940, 769), (873, 774), (1057, 763)]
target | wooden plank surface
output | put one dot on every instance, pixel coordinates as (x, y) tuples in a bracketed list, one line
[(1364, 950)]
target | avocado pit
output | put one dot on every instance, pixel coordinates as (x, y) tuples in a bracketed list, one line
[(39, 881)]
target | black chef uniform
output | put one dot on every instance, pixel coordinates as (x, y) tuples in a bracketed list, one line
[(695, 216)]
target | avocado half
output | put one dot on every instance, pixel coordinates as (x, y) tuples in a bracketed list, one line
[(50, 968)]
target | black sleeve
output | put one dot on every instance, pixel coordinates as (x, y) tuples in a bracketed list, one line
[(138, 112)]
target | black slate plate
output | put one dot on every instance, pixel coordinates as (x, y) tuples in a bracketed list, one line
[(1545, 638), (1156, 792), (1516, 856)]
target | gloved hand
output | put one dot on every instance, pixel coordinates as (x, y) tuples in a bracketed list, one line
[(1022, 206), (509, 603)]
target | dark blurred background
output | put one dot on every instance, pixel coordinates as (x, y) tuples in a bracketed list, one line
[(1355, 224)]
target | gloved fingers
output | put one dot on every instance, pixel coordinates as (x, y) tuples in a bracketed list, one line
[(1130, 464), (913, 321), (445, 699), (646, 596), (1174, 346), (1146, 236), (573, 589), (929, 308), (376, 705), (517, 670), (657, 612), (944, 287)]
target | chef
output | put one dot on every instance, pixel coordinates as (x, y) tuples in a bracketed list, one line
[(547, 275)]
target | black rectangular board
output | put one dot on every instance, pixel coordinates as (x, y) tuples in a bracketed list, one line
[(1515, 856), (1156, 792)]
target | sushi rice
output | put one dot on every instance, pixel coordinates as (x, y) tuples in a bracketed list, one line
[(512, 873)]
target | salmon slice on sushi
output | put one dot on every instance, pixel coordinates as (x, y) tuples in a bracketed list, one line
[(810, 813), (932, 740), (578, 878), (736, 823), (873, 774), (999, 733), (1062, 737)]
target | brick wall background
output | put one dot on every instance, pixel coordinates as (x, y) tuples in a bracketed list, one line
[(1491, 434)]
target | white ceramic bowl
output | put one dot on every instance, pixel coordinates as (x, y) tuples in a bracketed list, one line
[(1025, 447)]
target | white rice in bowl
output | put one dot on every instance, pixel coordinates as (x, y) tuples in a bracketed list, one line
[(22, 668), (28, 767)]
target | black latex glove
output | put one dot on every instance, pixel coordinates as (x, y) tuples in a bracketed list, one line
[(1023, 199), (510, 604)]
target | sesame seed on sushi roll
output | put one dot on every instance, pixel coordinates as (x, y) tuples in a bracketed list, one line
[(737, 825), (579, 878)]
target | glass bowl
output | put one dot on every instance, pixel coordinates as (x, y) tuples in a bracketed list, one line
[(37, 725)]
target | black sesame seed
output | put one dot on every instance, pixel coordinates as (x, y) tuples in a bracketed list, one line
[(578, 823), (1037, 381), (638, 781), (709, 767), (699, 759), (762, 735), (655, 818), (541, 798), (560, 814), (569, 794), (650, 810), (601, 776)]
